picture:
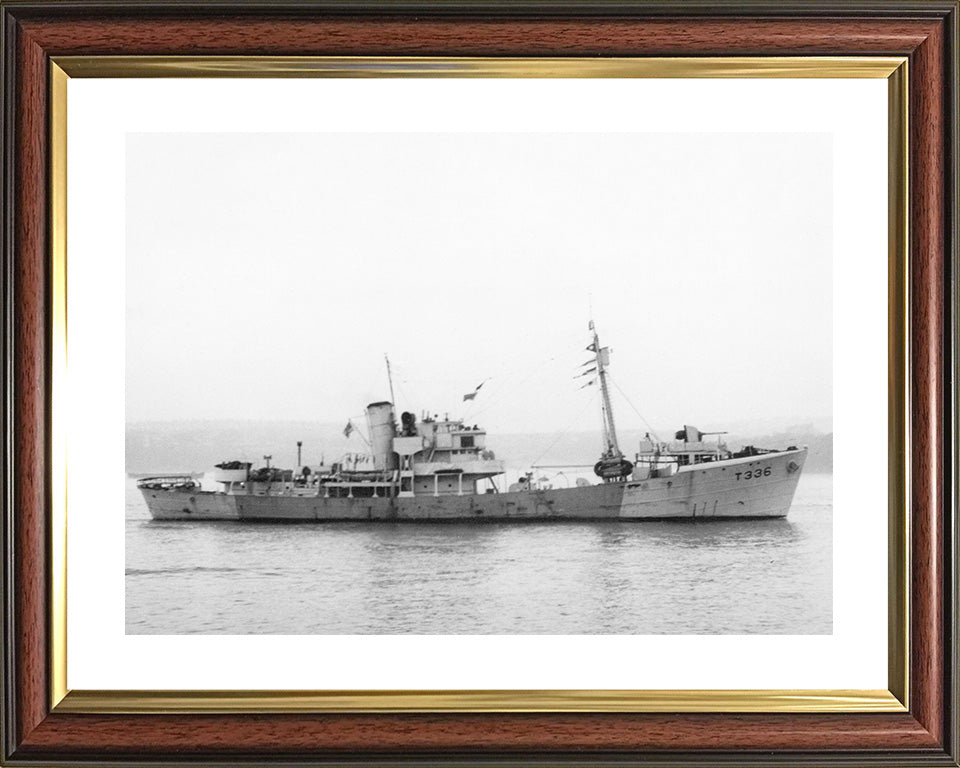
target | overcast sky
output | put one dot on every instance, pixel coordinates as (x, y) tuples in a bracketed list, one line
[(267, 275)]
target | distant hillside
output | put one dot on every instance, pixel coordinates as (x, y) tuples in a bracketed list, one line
[(158, 447)]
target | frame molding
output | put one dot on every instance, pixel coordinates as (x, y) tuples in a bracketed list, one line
[(39, 727), (895, 699)]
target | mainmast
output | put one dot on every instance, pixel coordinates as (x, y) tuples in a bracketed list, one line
[(612, 465), (602, 357)]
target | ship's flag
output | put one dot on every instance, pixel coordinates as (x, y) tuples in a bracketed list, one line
[(472, 395), (348, 429)]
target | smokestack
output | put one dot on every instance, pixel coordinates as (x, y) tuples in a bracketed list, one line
[(382, 431)]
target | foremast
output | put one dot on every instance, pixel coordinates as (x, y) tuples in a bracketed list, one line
[(612, 464), (602, 360)]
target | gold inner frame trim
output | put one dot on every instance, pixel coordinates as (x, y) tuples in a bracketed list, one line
[(434, 66), (132, 702), (893, 69), (58, 370), (898, 385)]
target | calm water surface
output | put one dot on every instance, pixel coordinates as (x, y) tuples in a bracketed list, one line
[(733, 577)]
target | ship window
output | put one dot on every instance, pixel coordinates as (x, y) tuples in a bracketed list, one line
[(466, 441)]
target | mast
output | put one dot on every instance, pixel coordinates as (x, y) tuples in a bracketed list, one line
[(393, 401), (602, 356)]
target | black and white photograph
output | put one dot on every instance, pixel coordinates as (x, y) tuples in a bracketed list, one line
[(483, 383)]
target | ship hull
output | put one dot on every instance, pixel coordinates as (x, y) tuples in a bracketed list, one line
[(751, 487)]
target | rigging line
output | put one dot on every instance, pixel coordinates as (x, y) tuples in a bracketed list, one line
[(566, 429), (513, 373), (624, 395), (400, 380), (501, 373), (603, 420), (356, 429), (404, 395), (492, 400), (504, 391)]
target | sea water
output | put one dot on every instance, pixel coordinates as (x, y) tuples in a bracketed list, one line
[(679, 577)]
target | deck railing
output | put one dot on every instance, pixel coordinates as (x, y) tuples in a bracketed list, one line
[(167, 482)]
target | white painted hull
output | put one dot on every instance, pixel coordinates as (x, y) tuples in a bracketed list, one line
[(756, 486)]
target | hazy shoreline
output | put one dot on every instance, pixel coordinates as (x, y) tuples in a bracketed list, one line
[(194, 447)]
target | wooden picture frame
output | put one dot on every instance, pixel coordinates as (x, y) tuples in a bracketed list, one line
[(44, 725)]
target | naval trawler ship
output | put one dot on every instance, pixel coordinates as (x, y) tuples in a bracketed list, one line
[(432, 469)]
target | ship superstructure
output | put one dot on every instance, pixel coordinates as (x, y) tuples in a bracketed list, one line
[(429, 468)]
